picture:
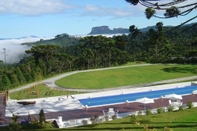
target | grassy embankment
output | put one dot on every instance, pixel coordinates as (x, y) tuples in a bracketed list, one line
[(39, 91), (126, 76)]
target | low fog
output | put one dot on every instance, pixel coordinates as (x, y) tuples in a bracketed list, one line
[(14, 50)]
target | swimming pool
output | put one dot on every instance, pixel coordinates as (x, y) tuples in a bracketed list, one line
[(112, 99)]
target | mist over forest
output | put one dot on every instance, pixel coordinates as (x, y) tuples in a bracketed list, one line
[(14, 50)]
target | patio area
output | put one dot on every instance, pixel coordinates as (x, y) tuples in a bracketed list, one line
[(68, 112), (76, 117), (50, 104)]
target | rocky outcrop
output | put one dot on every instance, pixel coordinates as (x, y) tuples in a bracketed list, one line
[(107, 30)]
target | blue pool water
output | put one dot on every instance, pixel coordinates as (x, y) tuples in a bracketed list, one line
[(98, 101)]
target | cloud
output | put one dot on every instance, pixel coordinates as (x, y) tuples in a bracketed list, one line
[(33, 7), (93, 10), (14, 50), (128, 11)]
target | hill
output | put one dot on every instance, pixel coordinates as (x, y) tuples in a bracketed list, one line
[(107, 30), (67, 40), (61, 39)]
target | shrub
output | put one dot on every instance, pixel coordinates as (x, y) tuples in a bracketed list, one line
[(180, 108), (170, 108), (133, 119), (167, 129), (94, 119), (159, 110), (148, 112), (14, 127), (189, 104), (146, 128), (14, 118)]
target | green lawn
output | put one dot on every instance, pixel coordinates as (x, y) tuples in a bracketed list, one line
[(126, 76), (38, 91)]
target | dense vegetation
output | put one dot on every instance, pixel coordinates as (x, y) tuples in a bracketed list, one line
[(65, 53)]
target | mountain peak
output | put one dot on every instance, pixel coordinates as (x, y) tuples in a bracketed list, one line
[(106, 30)]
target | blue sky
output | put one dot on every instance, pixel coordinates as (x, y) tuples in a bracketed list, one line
[(46, 18)]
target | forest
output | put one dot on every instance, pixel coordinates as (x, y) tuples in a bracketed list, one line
[(66, 53)]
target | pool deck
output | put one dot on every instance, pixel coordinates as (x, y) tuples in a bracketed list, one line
[(131, 90), (70, 108)]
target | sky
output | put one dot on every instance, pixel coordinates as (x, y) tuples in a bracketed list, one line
[(48, 18)]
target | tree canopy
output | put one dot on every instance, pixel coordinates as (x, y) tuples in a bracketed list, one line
[(171, 8)]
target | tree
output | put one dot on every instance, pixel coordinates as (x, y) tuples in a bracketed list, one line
[(172, 9), (96, 44), (159, 48), (42, 117), (5, 82), (14, 126), (134, 31), (20, 76), (14, 80), (87, 55), (44, 52), (43, 55)]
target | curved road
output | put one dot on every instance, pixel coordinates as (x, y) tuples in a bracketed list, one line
[(51, 81)]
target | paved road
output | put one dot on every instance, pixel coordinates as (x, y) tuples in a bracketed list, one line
[(51, 81)]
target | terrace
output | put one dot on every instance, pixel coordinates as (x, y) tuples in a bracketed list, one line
[(69, 111)]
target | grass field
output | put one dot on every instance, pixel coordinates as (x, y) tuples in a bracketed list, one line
[(126, 76), (38, 91)]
